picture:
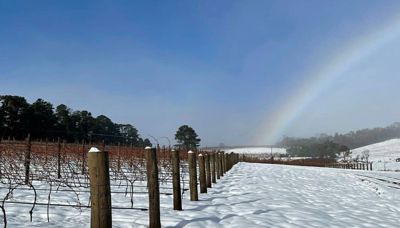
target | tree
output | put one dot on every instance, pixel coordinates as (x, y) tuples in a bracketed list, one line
[(82, 123), (64, 126), (15, 116), (187, 138), (129, 134), (42, 118), (18, 118), (346, 152), (146, 142), (365, 155)]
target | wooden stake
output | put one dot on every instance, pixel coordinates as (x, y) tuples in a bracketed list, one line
[(154, 189), (27, 158), (208, 169), (212, 161), (176, 181), (83, 157), (59, 159), (192, 176), (202, 174), (217, 164), (100, 194)]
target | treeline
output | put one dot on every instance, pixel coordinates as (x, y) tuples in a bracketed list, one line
[(41, 120), (321, 150), (330, 146), (351, 140)]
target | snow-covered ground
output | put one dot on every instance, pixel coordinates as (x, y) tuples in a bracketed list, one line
[(254, 195), (383, 154)]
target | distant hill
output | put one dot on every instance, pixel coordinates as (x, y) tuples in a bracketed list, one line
[(353, 139), (383, 154)]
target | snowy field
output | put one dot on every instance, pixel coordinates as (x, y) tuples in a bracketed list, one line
[(383, 155), (252, 195)]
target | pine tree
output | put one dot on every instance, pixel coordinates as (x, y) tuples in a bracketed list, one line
[(187, 138)]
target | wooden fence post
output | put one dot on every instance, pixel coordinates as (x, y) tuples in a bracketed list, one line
[(100, 194), (154, 189), (227, 157), (202, 174), (208, 169), (83, 157), (119, 157), (217, 165), (221, 159), (212, 161), (27, 158), (225, 165), (58, 159), (192, 176), (176, 181), (230, 160)]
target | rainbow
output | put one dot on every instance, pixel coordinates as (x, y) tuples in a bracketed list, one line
[(322, 77)]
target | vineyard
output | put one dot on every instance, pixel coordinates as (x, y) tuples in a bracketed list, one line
[(40, 178)]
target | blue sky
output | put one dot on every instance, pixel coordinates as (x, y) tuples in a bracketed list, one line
[(222, 67)]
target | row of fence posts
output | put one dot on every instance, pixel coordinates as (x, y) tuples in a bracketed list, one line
[(211, 166), (358, 166)]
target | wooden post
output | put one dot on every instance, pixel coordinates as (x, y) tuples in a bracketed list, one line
[(176, 181), (59, 159), (217, 165), (154, 189), (192, 176), (45, 150), (119, 157), (83, 157), (202, 174), (100, 194), (208, 169), (225, 161), (212, 161), (221, 160), (27, 158), (231, 158), (370, 168)]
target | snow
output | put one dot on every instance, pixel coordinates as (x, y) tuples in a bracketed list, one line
[(249, 195), (262, 195), (94, 150), (383, 154)]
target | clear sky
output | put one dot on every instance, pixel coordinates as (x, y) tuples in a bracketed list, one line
[(227, 68)]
